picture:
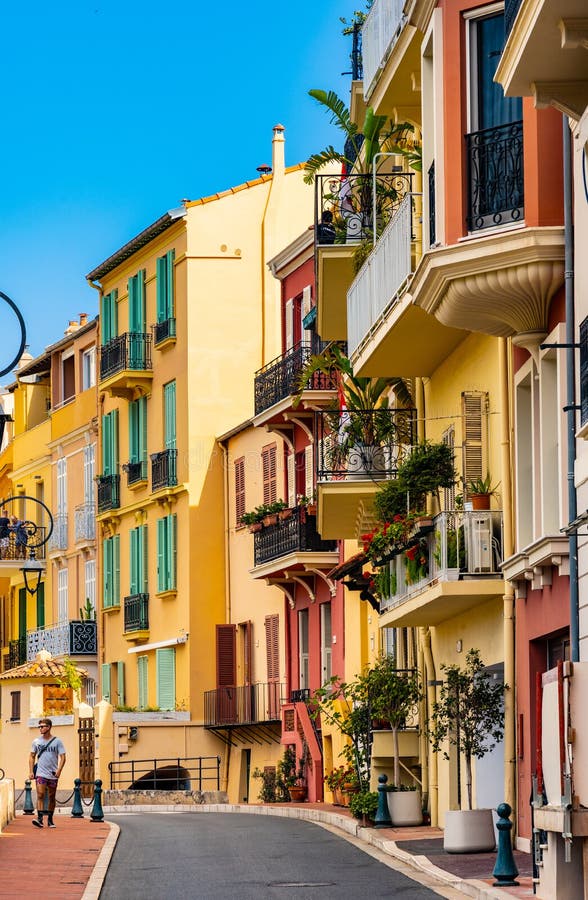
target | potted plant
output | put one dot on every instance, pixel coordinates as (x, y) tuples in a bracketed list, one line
[(469, 714), (291, 775), (252, 521), (307, 503), (480, 490), (271, 512), (334, 782), (364, 806)]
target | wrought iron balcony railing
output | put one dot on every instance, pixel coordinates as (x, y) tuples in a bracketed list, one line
[(279, 378), (164, 330), (12, 548), (131, 350), (136, 471), (85, 522), (58, 539), (345, 205), (108, 492), (75, 638), (244, 705), (432, 222), (296, 533), (363, 445), (17, 652), (136, 612), (380, 32), (164, 469), (495, 176)]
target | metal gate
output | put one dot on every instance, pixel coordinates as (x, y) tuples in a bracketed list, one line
[(86, 755)]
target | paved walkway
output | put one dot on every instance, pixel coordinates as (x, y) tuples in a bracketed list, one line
[(70, 861)]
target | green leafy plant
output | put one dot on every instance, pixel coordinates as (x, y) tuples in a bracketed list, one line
[(394, 694), (345, 705), (482, 486), (270, 791), (72, 677), (364, 803), (417, 562), (429, 467), (124, 708), (87, 612), (289, 773)]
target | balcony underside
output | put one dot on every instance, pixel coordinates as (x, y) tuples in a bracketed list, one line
[(284, 411), (128, 384), (405, 343), (258, 733), (500, 285), (345, 508), (299, 562), (396, 90), (545, 57), (334, 275), (442, 601)]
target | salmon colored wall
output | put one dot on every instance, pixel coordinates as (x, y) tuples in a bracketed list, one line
[(543, 162)]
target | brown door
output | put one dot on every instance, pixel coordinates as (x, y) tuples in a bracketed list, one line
[(86, 755), (226, 674)]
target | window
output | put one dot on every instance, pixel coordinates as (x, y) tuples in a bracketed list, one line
[(111, 567), (272, 650), (139, 579), (584, 371), (165, 286), (15, 706), (239, 489), (90, 582), (268, 460), (105, 673), (169, 415), (489, 107), (303, 662), (68, 376), (62, 487), (89, 691), (165, 665), (62, 596), (143, 681), (89, 472), (137, 316), (326, 642), (138, 433), (109, 317), (88, 368), (474, 407), (110, 443), (167, 553)]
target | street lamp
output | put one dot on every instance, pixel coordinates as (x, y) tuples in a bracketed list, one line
[(32, 571)]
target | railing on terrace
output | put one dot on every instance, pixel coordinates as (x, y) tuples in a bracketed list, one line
[(495, 176), (164, 330), (17, 652), (131, 350), (75, 638), (344, 205), (380, 32), (136, 471), (136, 612), (11, 550), (58, 539), (164, 469), (85, 522), (380, 280), (108, 492), (432, 213), (363, 445), (244, 705), (511, 9), (279, 378), (462, 545), (295, 533), (194, 773)]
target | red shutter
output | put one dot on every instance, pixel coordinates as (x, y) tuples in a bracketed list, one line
[(226, 674), (272, 647), (268, 457), (239, 489)]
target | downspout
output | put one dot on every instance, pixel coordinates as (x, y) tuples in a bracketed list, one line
[(227, 755), (423, 740), (431, 700), (508, 603), (570, 407)]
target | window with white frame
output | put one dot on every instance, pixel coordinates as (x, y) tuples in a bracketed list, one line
[(326, 642), (62, 598), (68, 376), (89, 472), (303, 660), (90, 583), (88, 368), (62, 486)]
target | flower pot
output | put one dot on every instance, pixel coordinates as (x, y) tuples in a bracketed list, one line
[(255, 527), (297, 793), (424, 524), (285, 514), (311, 509), (469, 831), (337, 794), (405, 807), (480, 501), (272, 519)]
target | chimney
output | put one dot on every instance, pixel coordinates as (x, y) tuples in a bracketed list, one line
[(278, 156), (83, 318), (73, 326)]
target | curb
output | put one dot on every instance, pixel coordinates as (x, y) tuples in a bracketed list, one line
[(96, 880)]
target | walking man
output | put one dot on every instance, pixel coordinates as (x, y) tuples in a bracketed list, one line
[(50, 760)]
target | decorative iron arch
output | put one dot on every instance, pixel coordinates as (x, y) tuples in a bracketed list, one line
[(23, 333), (31, 528)]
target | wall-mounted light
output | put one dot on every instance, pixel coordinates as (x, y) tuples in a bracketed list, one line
[(459, 646)]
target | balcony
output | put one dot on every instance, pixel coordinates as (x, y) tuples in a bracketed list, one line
[(246, 705), (108, 492), (85, 522), (136, 473), (136, 616), (495, 176), (278, 380), (13, 554), (58, 539), (290, 543), (390, 49), (75, 638), (344, 218), (454, 568), (164, 469), (356, 451), (125, 365), (164, 333)]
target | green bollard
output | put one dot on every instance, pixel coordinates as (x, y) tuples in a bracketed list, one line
[(28, 807), (97, 814), (505, 870), (77, 810), (383, 819)]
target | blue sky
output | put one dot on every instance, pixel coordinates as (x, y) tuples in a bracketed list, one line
[(114, 110)]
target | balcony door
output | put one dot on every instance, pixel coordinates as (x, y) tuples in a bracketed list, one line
[(326, 642), (303, 662), (489, 107)]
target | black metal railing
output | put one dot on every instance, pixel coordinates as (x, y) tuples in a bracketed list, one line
[(296, 533), (17, 652), (584, 371), (511, 8), (75, 638), (164, 330), (164, 469), (136, 612), (280, 377), (131, 350), (16, 545), (244, 705), (495, 176), (432, 224), (363, 445), (300, 696), (193, 773), (108, 492), (344, 205), (136, 471)]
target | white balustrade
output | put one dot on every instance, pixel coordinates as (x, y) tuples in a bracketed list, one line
[(378, 35)]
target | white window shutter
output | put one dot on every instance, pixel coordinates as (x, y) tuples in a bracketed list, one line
[(291, 465), (289, 324), (305, 309), (308, 471)]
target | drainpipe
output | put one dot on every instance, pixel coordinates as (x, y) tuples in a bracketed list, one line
[(423, 740), (504, 350), (570, 407), (431, 700)]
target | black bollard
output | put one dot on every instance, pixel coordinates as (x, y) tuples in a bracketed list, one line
[(97, 814), (505, 870), (383, 819), (28, 807), (77, 810)]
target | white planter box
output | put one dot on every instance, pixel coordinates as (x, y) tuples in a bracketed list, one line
[(469, 831), (405, 807)]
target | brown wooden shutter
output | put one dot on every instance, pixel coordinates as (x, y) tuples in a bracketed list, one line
[(248, 654), (475, 427), (272, 648), (226, 655), (268, 458), (239, 489), (449, 493)]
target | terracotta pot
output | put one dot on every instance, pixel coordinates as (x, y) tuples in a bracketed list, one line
[(272, 519), (337, 796), (311, 509), (297, 793), (255, 527), (285, 514), (480, 501)]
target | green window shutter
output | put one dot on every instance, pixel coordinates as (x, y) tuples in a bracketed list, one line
[(114, 441), (106, 681), (172, 533), (169, 395), (105, 319), (161, 272), (41, 605), (165, 661), (161, 554), (107, 584), (116, 570), (134, 536), (134, 431), (143, 683), (144, 571), (120, 675), (132, 290), (107, 444), (170, 256), (22, 613), (136, 287), (142, 429)]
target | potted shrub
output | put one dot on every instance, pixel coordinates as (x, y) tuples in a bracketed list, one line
[(252, 521), (364, 806), (291, 775), (480, 491), (271, 512), (470, 715)]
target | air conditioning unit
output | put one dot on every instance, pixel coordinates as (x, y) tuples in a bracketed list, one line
[(479, 543)]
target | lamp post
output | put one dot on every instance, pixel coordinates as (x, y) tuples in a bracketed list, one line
[(31, 538)]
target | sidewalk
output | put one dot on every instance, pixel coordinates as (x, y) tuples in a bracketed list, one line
[(70, 861)]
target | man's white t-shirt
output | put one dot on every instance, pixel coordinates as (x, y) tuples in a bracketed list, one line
[(48, 761)]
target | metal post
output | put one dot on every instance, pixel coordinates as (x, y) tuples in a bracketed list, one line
[(383, 819), (28, 807), (77, 810), (97, 814), (505, 870)]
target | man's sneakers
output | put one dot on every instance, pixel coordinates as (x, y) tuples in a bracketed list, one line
[(51, 824), (38, 823)]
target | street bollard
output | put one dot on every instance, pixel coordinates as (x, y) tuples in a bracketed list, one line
[(505, 870), (383, 819), (97, 814), (28, 807), (77, 810)]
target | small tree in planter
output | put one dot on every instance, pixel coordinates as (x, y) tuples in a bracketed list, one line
[(346, 706), (394, 695)]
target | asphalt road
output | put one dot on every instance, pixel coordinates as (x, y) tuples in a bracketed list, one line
[(216, 856)]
